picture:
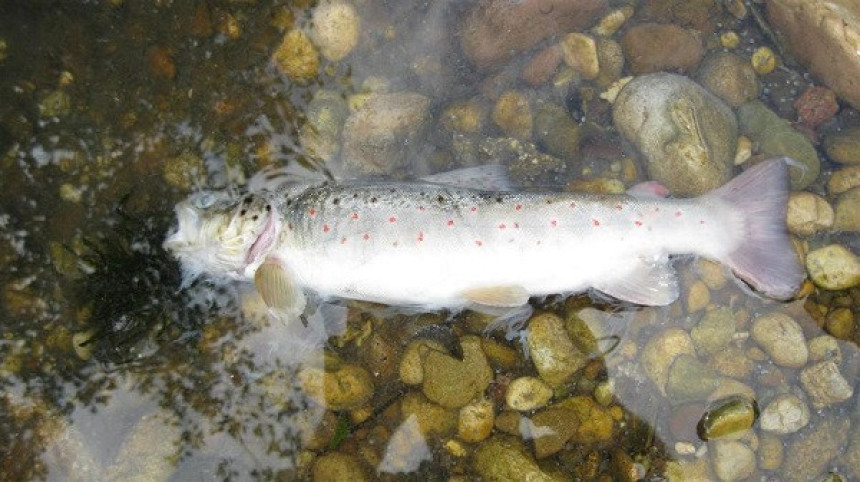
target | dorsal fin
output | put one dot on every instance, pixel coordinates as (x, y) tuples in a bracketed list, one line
[(489, 177)]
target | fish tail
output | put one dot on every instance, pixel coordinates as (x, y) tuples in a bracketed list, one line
[(766, 258)]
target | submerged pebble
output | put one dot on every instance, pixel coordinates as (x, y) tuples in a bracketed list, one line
[(782, 338), (785, 414), (825, 385), (553, 353), (336, 26), (833, 267)]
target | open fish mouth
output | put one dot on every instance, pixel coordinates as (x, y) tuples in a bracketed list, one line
[(264, 241)]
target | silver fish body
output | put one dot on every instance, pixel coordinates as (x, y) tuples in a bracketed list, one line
[(435, 246)]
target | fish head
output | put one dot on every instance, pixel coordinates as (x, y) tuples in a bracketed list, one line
[(223, 235)]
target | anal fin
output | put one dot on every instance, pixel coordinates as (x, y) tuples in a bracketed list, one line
[(498, 296), (650, 282)]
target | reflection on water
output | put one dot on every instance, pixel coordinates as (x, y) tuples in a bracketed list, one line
[(111, 111)]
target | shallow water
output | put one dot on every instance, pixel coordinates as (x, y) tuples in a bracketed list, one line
[(112, 111)]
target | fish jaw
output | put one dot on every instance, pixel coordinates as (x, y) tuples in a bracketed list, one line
[(261, 246)]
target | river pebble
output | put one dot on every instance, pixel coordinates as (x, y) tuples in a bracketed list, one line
[(297, 57), (475, 421), (771, 452), (513, 115), (727, 417), (729, 77), (527, 393), (843, 179), (383, 133), (825, 347), (652, 47), (844, 146), (494, 31), (552, 352), (698, 296), (784, 414), (782, 338), (732, 459), (690, 379), (825, 385), (345, 388), (432, 418), (840, 323), (775, 137), (686, 134), (338, 466), (504, 458), (714, 332), (809, 454), (808, 213), (825, 36), (336, 26), (847, 211), (579, 52), (833, 267), (453, 383), (660, 352)]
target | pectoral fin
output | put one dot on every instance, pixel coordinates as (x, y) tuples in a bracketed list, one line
[(648, 189), (650, 282), (498, 296), (279, 290)]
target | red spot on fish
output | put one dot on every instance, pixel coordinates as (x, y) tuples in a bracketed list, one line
[(450, 222), (502, 226), (638, 223), (479, 243), (595, 222), (326, 228), (421, 208), (312, 212), (474, 209), (678, 214), (392, 219), (421, 236), (553, 223), (354, 215), (365, 237), (518, 207), (342, 240), (572, 205)]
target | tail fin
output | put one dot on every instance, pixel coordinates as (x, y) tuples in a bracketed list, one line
[(766, 259)]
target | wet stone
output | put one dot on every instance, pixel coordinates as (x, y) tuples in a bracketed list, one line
[(810, 453), (689, 379), (844, 146), (552, 352), (782, 338), (698, 297), (297, 57), (504, 458), (513, 114), (808, 213), (714, 332), (825, 385), (732, 460), (833, 267), (453, 383), (729, 77), (346, 388), (661, 47), (727, 416), (840, 323), (338, 466), (771, 452), (580, 53), (527, 393), (847, 211), (825, 347), (336, 26), (661, 351), (843, 180), (785, 414), (475, 421)]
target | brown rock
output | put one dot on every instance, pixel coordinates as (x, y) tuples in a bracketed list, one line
[(654, 47), (541, 67), (496, 30), (825, 36)]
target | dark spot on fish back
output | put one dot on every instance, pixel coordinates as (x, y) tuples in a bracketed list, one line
[(255, 217), (335, 201), (373, 199), (242, 212)]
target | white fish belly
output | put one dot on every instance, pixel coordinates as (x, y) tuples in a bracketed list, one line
[(406, 253)]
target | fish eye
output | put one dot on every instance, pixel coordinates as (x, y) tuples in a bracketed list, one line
[(204, 200)]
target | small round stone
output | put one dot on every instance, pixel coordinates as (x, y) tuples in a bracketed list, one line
[(475, 421), (661, 351), (297, 57), (808, 213), (763, 60), (784, 414), (782, 338), (727, 416), (732, 460), (527, 393), (825, 385), (833, 267), (336, 27), (513, 114)]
